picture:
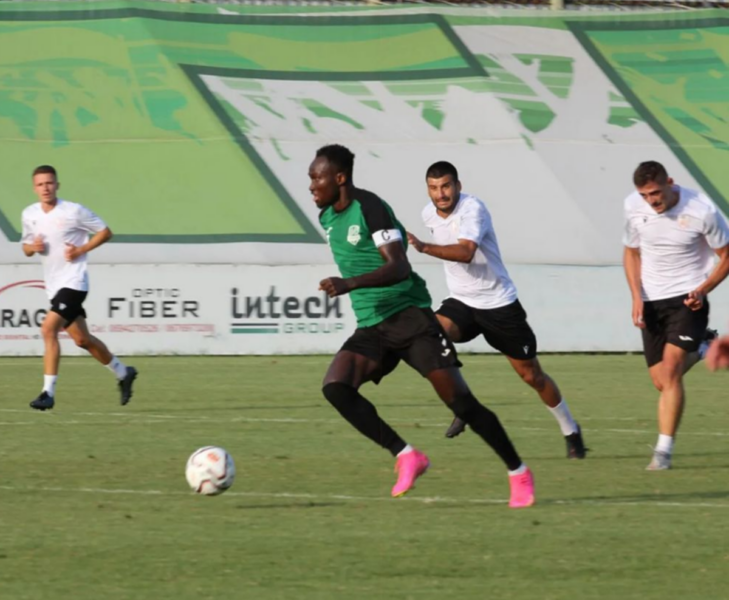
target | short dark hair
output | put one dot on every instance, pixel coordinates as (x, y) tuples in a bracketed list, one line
[(45, 169), (650, 172), (441, 169), (339, 156)]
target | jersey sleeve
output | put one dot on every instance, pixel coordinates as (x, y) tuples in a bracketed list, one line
[(28, 233), (89, 220), (631, 237), (716, 230), (379, 221), (474, 223)]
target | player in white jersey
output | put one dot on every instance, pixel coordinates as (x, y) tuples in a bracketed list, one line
[(671, 237), (58, 231), (483, 299)]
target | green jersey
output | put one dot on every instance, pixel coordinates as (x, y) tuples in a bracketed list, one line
[(354, 235)]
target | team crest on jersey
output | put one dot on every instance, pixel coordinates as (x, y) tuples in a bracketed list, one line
[(684, 221), (353, 235)]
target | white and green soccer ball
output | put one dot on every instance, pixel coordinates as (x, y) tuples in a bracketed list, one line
[(210, 471)]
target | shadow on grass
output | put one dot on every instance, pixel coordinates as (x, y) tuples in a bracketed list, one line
[(642, 498), (289, 505)]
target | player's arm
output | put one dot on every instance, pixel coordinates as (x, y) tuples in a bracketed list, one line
[(99, 238), (718, 355), (463, 251), (632, 266), (473, 226), (389, 243), (37, 246), (100, 233), (631, 263), (716, 234), (696, 298), (31, 243), (395, 269)]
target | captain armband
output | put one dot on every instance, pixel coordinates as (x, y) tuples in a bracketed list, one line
[(386, 236)]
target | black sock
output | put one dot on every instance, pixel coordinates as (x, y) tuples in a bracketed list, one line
[(486, 424), (362, 415)]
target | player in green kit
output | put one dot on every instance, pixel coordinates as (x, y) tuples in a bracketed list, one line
[(394, 322)]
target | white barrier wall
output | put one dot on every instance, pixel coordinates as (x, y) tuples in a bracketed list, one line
[(226, 309)]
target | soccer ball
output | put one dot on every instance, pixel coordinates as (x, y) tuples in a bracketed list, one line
[(210, 471)]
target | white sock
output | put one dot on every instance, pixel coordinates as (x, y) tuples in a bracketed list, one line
[(562, 413), (665, 444), (405, 450), (520, 471), (117, 367), (49, 384)]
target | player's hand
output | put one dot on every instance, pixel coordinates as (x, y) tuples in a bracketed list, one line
[(695, 300), (638, 314), (415, 242), (334, 286), (73, 252), (38, 246), (717, 357)]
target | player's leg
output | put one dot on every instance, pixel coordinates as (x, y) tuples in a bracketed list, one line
[(672, 400), (433, 355), (694, 357), (362, 359), (454, 392), (507, 330), (51, 326), (79, 332), (531, 372), (683, 331), (654, 343), (457, 321), (667, 377), (346, 373)]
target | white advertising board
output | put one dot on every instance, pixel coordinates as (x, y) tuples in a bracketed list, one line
[(238, 309)]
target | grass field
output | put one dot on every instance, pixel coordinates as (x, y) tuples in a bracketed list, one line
[(94, 504)]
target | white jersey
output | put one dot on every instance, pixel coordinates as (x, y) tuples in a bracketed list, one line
[(676, 247), (484, 282), (67, 223)]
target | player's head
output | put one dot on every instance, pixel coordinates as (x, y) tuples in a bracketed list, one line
[(444, 188), (329, 172), (654, 185), (45, 183)]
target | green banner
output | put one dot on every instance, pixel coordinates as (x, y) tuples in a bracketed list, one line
[(195, 123)]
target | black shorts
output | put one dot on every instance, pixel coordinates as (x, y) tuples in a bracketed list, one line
[(504, 328), (69, 304), (670, 321), (413, 335)]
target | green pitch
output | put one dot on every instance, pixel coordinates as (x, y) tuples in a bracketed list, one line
[(94, 504)]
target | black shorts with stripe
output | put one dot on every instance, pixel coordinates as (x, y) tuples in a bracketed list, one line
[(670, 321), (413, 335), (505, 328)]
